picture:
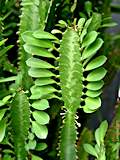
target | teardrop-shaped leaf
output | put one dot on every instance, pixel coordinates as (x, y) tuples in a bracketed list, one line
[(95, 63), (37, 73), (62, 24), (2, 42), (110, 24), (88, 22), (43, 35), (92, 103), (44, 81), (39, 92), (31, 145), (4, 50), (40, 131), (41, 146), (82, 35), (2, 113), (96, 22), (41, 117), (88, 7), (97, 148), (90, 149), (92, 49), (2, 80), (81, 22), (102, 130), (31, 136), (93, 94), (34, 50), (2, 130), (90, 38), (95, 85), (6, 99), (97, 136), (97, 74), (38, 63), (29, 39), (41, 104)]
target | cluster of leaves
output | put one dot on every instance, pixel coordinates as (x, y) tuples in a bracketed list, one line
[(99, 150)]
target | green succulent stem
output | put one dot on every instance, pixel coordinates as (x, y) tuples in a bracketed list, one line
[(68, 137)]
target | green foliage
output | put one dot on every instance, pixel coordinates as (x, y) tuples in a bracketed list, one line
[(112, 140), (63, 72), (98, 150), (30, 21), (72, 63), (86, 136)]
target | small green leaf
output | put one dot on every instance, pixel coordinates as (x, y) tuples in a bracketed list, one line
[(34, 50), (90, 149), (88, 7), (89, 39), (38, 63), (41, 104), (2, 130), (97, 149), (97, 137), (3, 80), (93, 94), (87, 24), (38, 73), (31, 136), (40, 131), (41, 117), (97, 74), (82, 35), (39, 92), (92, 49), (111, 24), (103, 129), (4, 50), (36, 157), (43, 35), (41, 146), (96, 22), (31, 144), (62, 23), (1, 103), (92, 103), (95, 85), (2, 113), (95, 63), (80, 24), (54, 31), (44, 81), (2, 42), (29, 39), (6, 99)]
